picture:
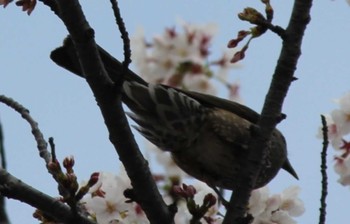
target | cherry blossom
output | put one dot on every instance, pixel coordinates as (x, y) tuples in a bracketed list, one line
[(275, 209), (334, 135), (342, 167), (338, 124), (181, 59), (107, 204)]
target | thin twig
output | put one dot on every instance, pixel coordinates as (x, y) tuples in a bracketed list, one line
[(2, 149), (124, 34), (53, 149), (39, 137), (324, 181), (3, 214), (276, 29)]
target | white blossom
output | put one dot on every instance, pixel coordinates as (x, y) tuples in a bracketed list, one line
[(106, 201), (275, 209), (338, 124), (341, 116), (257, 201), (334, 135), (199, 83), (291, 203), (338, 121), (342, 167), (180, 59)]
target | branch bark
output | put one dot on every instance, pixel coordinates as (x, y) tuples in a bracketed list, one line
[(271, 112), (3, 213), (108, 98), (12, 187)]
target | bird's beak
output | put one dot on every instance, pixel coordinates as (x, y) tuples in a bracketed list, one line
[(288, 167)]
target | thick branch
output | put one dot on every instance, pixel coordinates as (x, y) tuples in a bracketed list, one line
[(12, 187), (109, 100), (271, 113)]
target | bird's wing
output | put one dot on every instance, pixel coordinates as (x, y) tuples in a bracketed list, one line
[(233, 107), (230, 128), (164, 115), (65, 56)]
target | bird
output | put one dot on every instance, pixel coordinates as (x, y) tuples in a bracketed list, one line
[(208, 137)]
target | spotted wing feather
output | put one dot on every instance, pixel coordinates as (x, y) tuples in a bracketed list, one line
[(165, 116)]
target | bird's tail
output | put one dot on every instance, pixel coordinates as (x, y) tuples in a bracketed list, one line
[(66, 57)]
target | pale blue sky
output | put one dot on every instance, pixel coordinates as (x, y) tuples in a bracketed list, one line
[(65, 109)]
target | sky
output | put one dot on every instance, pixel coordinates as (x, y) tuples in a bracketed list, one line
[(65, 109)]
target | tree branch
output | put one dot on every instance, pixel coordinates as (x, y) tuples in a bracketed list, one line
[(12, 187), (124, 34), (38, 135), (271, 112), (108, 98), (324, 192), (3, 214)]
